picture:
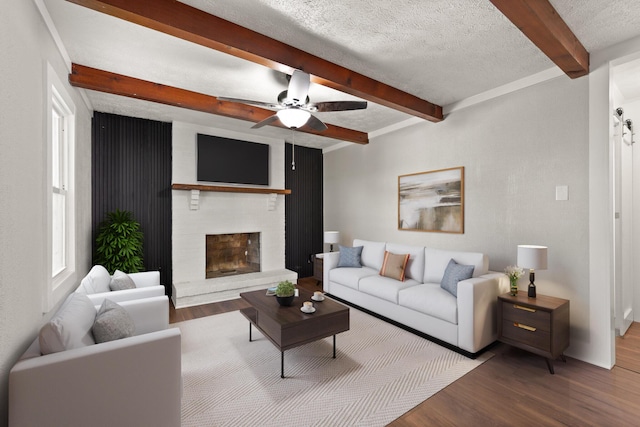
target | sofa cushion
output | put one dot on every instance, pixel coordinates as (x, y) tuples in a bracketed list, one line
[(394, 265), (432, 300), (415, 266), (372, 253), (96, 281), (70, 327), (453, 274), (384, 287), (350, 277), (121, 281), (112, 323), (350, 257), (436, 261)]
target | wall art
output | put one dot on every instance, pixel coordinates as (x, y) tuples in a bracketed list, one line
[(432, 201)]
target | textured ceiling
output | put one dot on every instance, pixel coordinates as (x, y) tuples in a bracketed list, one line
[(436, 50), (440, 50)]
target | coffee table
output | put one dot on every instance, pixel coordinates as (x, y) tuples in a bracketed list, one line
[(288, 327)]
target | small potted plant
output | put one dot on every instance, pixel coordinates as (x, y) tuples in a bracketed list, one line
[(285, 292), (513, 272)]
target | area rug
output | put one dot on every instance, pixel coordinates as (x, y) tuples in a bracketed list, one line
[(381, 371)]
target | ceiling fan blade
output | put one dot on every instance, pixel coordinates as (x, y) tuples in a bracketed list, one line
[(265, 122), (298, 87), (323, 107), (316, 124), (250, 102)]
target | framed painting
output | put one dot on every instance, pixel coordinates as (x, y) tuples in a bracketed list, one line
[(432, 201)]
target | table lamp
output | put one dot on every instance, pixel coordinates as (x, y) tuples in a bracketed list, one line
[(534, 258), (331, 237)]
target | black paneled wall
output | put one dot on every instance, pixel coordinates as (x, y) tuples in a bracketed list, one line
[(303, 209), (131, 170)]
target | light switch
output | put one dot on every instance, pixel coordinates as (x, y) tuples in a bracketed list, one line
[(562, 192)]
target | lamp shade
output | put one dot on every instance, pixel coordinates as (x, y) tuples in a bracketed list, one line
[(532, 257), (331, 237), (293, 117)]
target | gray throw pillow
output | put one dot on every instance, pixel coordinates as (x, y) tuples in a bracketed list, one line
[(453, 274), (350, 257), (70, 327), (121, 281), (112, 323)]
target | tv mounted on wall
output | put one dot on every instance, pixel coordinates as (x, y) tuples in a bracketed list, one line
[(232, 161)]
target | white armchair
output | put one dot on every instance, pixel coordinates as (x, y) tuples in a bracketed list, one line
[(96, 285), (131, 381)]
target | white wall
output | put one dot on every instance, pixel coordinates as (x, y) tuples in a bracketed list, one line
[(515, 149), (26, 47), (220, 213)]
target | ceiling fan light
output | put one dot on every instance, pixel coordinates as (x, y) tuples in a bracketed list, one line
[(293, 117)]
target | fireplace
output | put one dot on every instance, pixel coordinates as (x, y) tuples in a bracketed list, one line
[(232, 254)]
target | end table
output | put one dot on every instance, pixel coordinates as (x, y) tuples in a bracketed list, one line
[(318, 266), (539, 325)]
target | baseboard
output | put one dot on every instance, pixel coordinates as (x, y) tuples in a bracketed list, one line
[(415, 331)]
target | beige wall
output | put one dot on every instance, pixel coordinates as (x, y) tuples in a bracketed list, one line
[(27, 47), (515, 149)]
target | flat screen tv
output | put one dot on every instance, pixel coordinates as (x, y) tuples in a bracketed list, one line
[(232, 161)]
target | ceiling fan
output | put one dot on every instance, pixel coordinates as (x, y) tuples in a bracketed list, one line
[(294, 108)]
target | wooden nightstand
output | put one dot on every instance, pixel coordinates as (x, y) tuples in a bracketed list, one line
[(318, 266), (539, 325)]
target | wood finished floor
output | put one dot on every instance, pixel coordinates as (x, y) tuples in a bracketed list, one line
[(628, 349), (514, 388)]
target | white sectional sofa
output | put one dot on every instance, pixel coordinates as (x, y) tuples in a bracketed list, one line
[(133, 381), (97, 286), (467, 321)]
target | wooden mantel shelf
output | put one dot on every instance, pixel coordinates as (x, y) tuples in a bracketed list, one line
[(229, 189)]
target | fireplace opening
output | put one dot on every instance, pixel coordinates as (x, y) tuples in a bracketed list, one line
[(231, 254)]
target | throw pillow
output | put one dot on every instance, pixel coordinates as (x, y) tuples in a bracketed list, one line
[(350, 257), (70, 327), (121, 281), (96, 281), (393, 265), (112, 323), (453, 274)]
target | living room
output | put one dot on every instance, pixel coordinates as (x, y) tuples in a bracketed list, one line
[(517, 143)]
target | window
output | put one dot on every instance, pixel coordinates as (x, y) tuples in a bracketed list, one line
[(61, 205), (59, 178)]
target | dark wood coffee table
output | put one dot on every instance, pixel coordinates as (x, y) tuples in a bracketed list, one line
[(288, 327)]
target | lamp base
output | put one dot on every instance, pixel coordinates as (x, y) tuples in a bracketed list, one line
[(531, 292)]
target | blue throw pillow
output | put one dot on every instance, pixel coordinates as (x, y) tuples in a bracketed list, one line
[(453, 274), (350, 257)]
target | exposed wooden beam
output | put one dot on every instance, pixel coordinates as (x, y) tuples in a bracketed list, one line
[(118, 84), (540, 22), (188, 23)]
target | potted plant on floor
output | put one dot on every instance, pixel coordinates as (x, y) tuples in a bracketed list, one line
[(119, 243), (285, 292)]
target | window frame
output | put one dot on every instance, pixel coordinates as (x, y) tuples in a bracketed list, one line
[(59, 100)]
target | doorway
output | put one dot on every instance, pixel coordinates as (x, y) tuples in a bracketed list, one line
[(625, 94)]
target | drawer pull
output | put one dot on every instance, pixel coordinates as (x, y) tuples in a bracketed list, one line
[(525, 327), (519, 307)]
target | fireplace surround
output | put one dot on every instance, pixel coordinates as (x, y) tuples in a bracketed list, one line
[(200, 209)]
